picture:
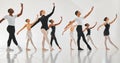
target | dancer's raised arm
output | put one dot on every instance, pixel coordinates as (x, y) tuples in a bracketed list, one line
[(113, 20), (2, 20), (35, 20), (21, 29), (18, 15), (52, 10), (100, 26), (89, 12), (59, 21)]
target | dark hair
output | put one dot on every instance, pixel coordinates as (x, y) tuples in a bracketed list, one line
[(26, 20), (9, 9), (50, 20), (86, 24), (105, 18), (76, 12)]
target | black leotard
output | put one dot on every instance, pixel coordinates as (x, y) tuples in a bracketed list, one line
[(44, 20), (53, 30), (88, 31), (106, 31)]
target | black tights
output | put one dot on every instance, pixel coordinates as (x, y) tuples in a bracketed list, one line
[(11, 31), (53, 37), (79, 35)]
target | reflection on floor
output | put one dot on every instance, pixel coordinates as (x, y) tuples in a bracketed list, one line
[(64, 56)]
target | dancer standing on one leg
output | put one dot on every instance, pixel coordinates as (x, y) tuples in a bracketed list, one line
[(11, 27), (44, 29), (53, 27), (106, 31), (88, 28), (80, 33), (71, 27), (29, 33)]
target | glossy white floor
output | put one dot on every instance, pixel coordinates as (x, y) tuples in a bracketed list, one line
[(64, 56)]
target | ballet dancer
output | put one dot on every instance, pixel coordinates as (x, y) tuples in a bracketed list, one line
[(44, 29), (107, 32), (11, 27), (80, 33), (53, 27), (71, 27), (88, 28), (29, 33)]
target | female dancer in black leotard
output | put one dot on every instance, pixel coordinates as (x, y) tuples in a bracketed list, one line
[(88, 28), (11, 27), (44, 21), (106, 31), (53, 27)]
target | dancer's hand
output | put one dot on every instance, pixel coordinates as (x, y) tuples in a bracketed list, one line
[(116, 15), (22, 5), (17, 33), (61, 18), (53, 4), (92, 8)]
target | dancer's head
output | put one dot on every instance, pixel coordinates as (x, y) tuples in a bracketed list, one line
[(51, 21), (42, 12), (87, 25), (10, 11), (77, 13), (106, 19), (27, 20)]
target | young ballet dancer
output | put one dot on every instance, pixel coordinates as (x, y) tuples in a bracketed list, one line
[(107, 32), (11, 27), (88, 28), (80, 33), (44, 28), (29, 33), (53, 27), (71, 27)]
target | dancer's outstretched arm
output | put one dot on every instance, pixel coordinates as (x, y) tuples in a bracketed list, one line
[(18, 15), (52, 10), (84, 29), (93, 26), (59, 22), (2, 20), (113, 20), (89, 12), (35, 20), (67, 27), (21, 29), (100, 26)]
